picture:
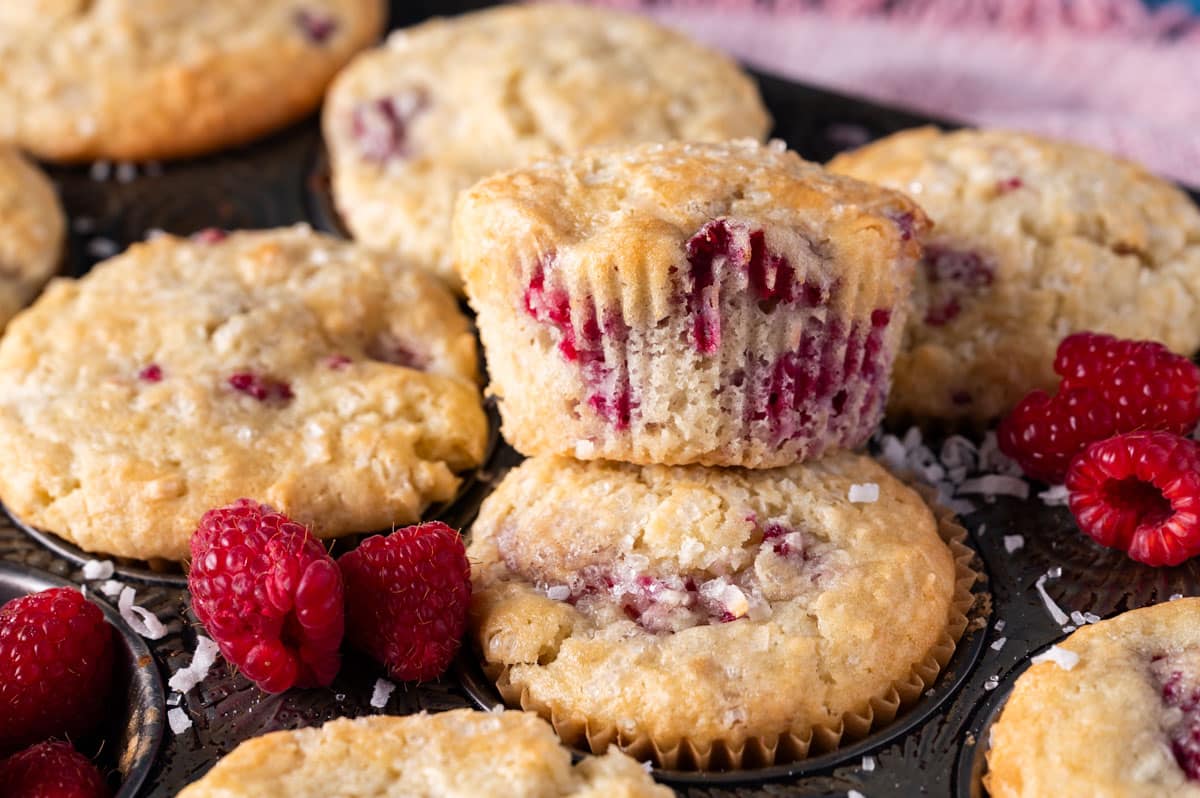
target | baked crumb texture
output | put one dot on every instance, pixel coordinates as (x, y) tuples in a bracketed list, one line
[(1122, 721), (338, 386), (1033, 240), (713, 618), (721, 304), (457, 754)]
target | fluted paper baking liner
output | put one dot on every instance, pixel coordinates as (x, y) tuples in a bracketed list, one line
[(763, 751)]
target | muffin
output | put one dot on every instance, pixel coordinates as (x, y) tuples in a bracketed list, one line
[(1114, 710), (336, 385), (1034, 240), (32, 228), (445, 103), (456, 754), (713, 618), (147, 79), (724, 304)]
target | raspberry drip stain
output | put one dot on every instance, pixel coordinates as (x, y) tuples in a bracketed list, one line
[(264, 389), (1182, 693), (609, 392), (317, 27), (380, 127)]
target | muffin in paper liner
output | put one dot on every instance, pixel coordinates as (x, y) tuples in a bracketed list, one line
[(718, 304), (527, 504)]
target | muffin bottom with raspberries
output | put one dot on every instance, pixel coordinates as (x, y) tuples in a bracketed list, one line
[(720, 304), (1114, 710), (707, 618)]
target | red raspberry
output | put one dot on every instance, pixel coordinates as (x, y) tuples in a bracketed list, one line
[(51, 770), (1140, 492), (269, 595), (1147, 385), (56, 660), (406, 598), (1044, 432), (1109, 386)]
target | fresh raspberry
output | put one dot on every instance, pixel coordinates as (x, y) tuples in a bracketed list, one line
[(406, 598), (1109, 386), (1044, 432), (1147, 385), (56, 661), (269, 595), (51, 770), (1140, 492)]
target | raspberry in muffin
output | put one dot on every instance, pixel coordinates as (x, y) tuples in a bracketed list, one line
[(712, 618), (723, 304), (455, 754), (1113, 711), (32, 229), (450, 101), (336, 385), (1034, 240)]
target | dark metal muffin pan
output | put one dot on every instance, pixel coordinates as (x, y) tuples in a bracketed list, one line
[(127, 746), (932, 749)]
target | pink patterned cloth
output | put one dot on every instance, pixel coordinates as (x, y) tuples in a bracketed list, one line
[(1110, 73)]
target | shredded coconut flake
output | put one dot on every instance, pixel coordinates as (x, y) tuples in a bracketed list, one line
[(865, 493), (998, 643), (97, 569), (1175, 597), (992, 683), (381, 693), (855, 794), (584, 449), (187, 678), (140, 619), (179, 720), (1056, 613), (999, 625), (1059, 656), (1055, 572), (112, 587), (868, 763), (1013, 542), (100, 170), (1091, 617), (1055, 496), (101, 247), (558, 593), (996, 485)]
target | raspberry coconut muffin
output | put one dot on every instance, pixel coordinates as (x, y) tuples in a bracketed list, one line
[(713, 618), (1034, 240), (450, 101), (31, 232), (724, 304), (143, 79), (1114, 710), (456, 754), (336, 385)]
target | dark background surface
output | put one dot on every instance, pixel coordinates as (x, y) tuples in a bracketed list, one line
[(279, 181)]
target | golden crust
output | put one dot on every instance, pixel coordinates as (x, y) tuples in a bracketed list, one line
[(126, 466), (1078, 240), (609, 229), (148, 80), (455, 754), (1101, 728), (32, 228), (862, 594), (504, 86)]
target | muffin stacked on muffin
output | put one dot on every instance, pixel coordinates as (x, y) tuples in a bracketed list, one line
[(716, 316)]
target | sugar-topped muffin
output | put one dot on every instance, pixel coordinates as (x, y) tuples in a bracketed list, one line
[(1113, 711), (1034, 240), (456, 754), (725, 304), (712, 617), (337, 385), (450, 101), (32, 228)]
